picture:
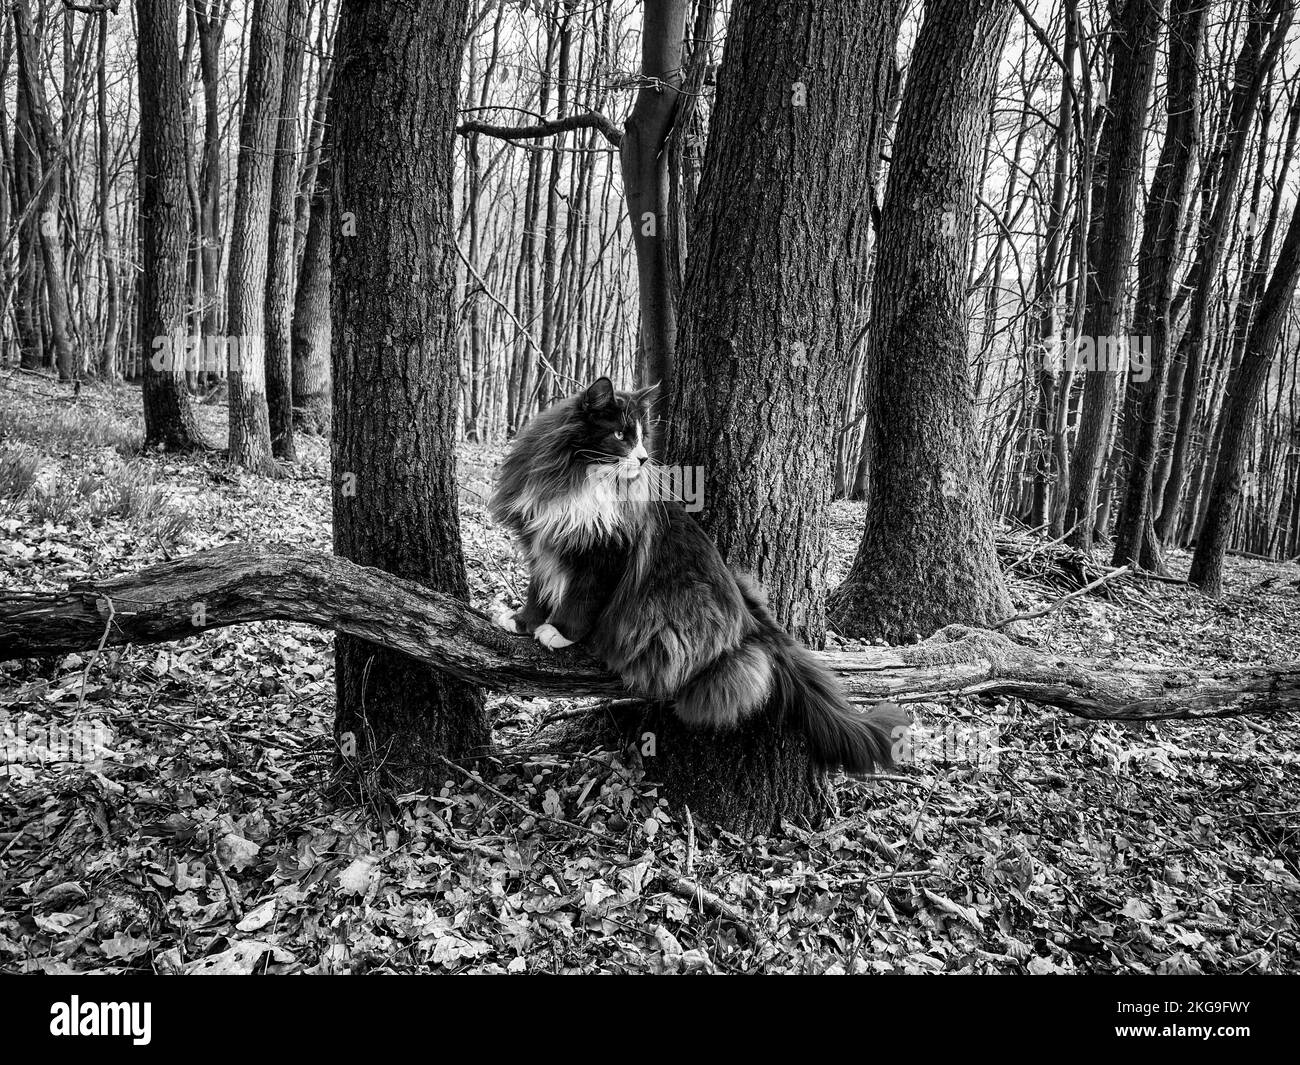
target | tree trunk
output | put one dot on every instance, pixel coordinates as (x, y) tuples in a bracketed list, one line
[(1244, 388), (686, 144), (1256, 259), (27, 293), (761, 372), (767, 314), (311, 316), (1265, 35), (1046, 475), (280, 261), (250, 428), (1162, 227), (307, 179), (927, 558), (311, 306), (108, 371), (396, 366), (169, 421), (211, 25), (645, 184), (550, 385), (49, 194), (7, 194), (1133, 46)]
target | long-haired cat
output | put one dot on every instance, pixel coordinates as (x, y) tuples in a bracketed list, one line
[(636, 580)]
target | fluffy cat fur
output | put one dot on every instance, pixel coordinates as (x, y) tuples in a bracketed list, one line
[(634, 579)]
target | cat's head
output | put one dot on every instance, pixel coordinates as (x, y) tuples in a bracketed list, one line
[(589, 439), (612, 428)]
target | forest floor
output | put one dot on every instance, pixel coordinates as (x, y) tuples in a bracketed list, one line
[(190, 825)]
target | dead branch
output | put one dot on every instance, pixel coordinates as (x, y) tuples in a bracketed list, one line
[(1055, 604), (236, 584), (546, 127)]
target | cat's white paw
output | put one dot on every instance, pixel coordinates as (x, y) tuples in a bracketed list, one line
[(549, 637), (504, 618)]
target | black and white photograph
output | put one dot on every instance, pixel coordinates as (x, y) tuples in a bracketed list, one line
[(651, 487)]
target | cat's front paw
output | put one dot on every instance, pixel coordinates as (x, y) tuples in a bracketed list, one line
[(504, 618), (549, 637)]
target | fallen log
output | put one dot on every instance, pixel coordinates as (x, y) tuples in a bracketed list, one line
[(237, 583)]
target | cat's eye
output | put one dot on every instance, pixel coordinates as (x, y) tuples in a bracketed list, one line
[(618, 435)]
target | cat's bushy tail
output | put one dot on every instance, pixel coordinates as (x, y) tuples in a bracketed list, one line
[(770, 668), (838, 735)]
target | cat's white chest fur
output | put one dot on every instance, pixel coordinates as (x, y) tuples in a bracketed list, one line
[(550, 577), (578, 519), (574, 521)]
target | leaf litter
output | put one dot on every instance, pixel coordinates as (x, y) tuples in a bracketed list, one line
[(194, 828)]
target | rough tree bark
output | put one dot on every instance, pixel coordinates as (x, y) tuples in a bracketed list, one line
[(766, 320), (250, 428), (1133, 45), (169, 421), (927, 557), (395, 365), (765, 336), (7, 189)]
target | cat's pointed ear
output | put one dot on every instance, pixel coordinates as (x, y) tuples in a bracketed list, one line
[(599, 394), (645, 397)]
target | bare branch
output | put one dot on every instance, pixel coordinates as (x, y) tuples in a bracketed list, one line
[(547, 127), (238, 583)]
